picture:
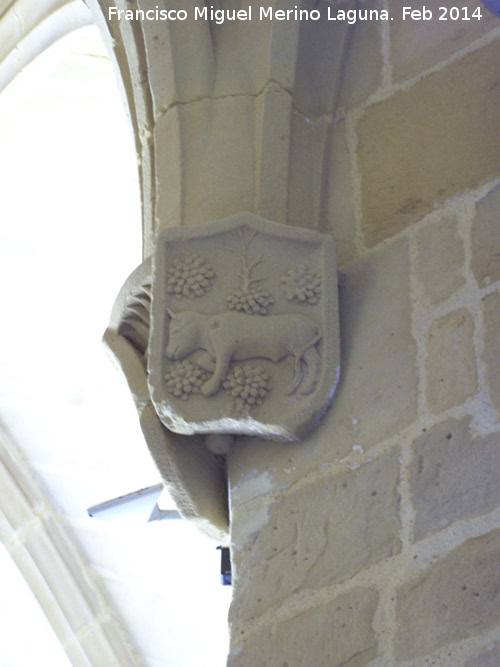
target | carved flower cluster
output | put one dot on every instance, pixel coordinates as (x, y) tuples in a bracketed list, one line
[(184, 378), (253, 302), (248, 386), (189, 277), (302, 285)]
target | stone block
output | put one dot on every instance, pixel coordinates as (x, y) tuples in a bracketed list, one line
[(362, 72), (490, 657), (440, 260), (181, 62), (485, 239), (454, 599), (322, 534), (418, 45), (451, 365), (377, 393), (333, 635), (430, 142), (337, 62), (272, 138), (491, 313), (453, 475), (308, 141), (198, 146), (320, 59), (339, 196), (218, 157)]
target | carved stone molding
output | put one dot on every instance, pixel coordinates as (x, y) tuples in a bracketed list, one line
[(53, 570), (28, 27)]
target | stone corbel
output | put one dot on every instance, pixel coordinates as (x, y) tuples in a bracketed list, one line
[(232, 330)]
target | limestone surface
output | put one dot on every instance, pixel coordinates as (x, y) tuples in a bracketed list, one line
[(456, 598), (440, 259), (338, 633), (320, 58), (418, 45), (308, 145), (491, 312), (485, 239), (451, 363), (319, 535), (412, 158), (212, 141), (488, 658), (337, 63), (362, 73), (377, 392), (453, 475), (339, 196)]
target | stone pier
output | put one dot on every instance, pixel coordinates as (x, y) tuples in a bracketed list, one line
[(375, 540)]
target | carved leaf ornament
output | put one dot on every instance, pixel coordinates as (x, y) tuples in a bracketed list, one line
[(244, 328)]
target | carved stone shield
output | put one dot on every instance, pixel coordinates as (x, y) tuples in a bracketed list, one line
[(244, 332)]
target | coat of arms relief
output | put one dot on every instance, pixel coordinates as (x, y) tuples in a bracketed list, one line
[(244, 332)]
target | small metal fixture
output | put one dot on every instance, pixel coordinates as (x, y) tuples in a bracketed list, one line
[(225, 566), (149, 504)]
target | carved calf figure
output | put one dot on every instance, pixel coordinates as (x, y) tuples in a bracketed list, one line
[(233, 336)]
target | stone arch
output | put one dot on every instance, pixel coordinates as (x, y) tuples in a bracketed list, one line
[(52, 568), (28, 27), (31, 532)]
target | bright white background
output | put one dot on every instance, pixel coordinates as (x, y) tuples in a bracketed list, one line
[(70, 233)]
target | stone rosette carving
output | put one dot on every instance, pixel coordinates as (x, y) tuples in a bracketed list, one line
[(189, 277), (301, 284), (244, 328), (248, 386), (183, 378)]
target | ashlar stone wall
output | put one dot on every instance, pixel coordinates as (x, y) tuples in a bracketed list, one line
[(376, 540)]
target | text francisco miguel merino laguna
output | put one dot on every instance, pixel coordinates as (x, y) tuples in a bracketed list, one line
[(264, 13)]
